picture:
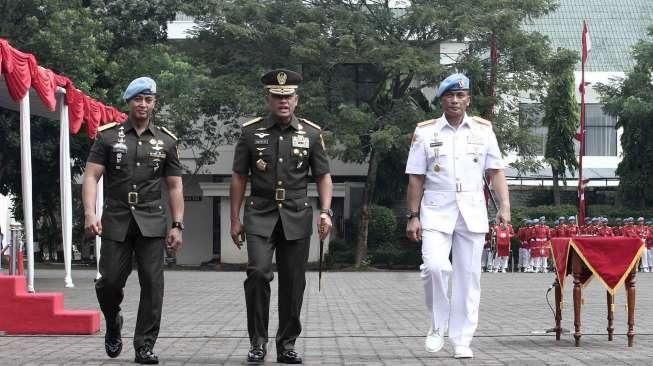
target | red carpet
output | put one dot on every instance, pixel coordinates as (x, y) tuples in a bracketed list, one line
[(40, 313)]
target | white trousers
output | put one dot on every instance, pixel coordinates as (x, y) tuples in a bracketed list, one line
[(501, 262), (650, 257), (541, 263), (644, 264), (460, 313), (524, 257), (487, 258)]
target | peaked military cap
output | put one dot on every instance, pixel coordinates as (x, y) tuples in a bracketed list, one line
[(453, 82), (142, 85), (281, 81)]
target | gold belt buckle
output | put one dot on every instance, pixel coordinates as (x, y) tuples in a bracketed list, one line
[(132, 198), (279, 194)]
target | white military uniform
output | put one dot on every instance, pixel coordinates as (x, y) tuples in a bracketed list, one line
[(453, 216)]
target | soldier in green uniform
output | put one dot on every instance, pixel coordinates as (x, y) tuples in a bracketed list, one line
[(276, 153), (135, 158)]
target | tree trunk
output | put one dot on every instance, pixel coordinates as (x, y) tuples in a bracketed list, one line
[(556, 187), (364, 219)]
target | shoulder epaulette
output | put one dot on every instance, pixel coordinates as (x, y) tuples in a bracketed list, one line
[(310, 123), (169, 133), (426, 123), (482, 121), (252, 121), (107, 126)]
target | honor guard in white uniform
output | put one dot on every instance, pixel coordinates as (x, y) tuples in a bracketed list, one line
[(447, 210)]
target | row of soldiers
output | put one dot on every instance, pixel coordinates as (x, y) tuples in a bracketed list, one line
[(534, 236)]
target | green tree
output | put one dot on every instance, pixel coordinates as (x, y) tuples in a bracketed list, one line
[(102, 45), (367, 65), (561, 118), (631, 101)]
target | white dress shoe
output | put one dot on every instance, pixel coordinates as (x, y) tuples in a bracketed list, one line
[(463, 352), (434, 341)]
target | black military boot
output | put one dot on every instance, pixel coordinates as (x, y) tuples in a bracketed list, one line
[(112, 338), (257, 353), (289, 356), (145, 356)]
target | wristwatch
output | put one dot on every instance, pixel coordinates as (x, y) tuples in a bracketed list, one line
[(410, 214), (178, 225), (327, 211)]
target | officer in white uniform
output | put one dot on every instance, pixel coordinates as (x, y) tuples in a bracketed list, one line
[(447, 211)]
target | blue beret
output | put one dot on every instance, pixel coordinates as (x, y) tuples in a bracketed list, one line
[(453, 82), (142, 85)]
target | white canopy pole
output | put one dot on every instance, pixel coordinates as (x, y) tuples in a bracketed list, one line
[(65, 186), (99, 205), (26, 180)]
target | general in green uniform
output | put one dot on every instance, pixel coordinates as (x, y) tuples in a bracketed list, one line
[(277, 153), (135, 158)]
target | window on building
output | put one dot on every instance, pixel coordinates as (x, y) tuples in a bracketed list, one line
[(600, 132), (530, 117), (354, 83)]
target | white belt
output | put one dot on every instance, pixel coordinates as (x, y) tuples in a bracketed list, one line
[(458, 187)]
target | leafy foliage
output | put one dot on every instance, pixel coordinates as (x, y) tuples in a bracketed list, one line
[(102, 45), (561, 117), (631, 100), (370, 68)]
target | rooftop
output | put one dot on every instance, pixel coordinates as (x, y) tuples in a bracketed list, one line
[(615, 26)]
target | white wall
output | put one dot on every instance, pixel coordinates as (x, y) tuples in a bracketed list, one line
[(198, 220)]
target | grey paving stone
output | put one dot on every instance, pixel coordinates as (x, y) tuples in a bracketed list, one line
[(368, 318)]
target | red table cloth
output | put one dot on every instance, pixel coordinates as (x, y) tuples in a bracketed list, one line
[(610, 259)]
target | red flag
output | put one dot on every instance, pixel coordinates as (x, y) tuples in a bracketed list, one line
[(585, 50), (586, 47), (587, 44)]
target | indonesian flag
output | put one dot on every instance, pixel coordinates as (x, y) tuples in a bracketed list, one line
[(587, 44), (586, 47)]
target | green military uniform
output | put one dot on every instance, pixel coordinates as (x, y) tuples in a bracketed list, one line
[(278, 216), (134, 219)]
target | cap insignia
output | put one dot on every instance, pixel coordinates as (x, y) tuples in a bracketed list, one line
[(281, 78)]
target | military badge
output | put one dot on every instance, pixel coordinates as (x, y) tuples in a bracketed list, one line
[(281, 78), (261, 165), (261, 134), (300, 141), (120, 148)]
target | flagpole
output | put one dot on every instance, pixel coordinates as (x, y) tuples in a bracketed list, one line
[(581, 185)]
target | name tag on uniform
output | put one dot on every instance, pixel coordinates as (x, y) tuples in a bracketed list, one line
[(300, 141), (261, 141), (157, 154), (475, 140), (436, 143)]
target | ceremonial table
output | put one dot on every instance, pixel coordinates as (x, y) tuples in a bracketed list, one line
[(613, 260)]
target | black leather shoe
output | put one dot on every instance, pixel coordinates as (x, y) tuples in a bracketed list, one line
[(145, 356), (256, 354), (112, 338), (289, 356)]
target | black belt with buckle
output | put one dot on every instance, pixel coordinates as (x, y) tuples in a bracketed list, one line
[(280, 194), (135, 198), (132, 198)]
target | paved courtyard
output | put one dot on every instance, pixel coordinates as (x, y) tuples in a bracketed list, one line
[(369, 318)]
